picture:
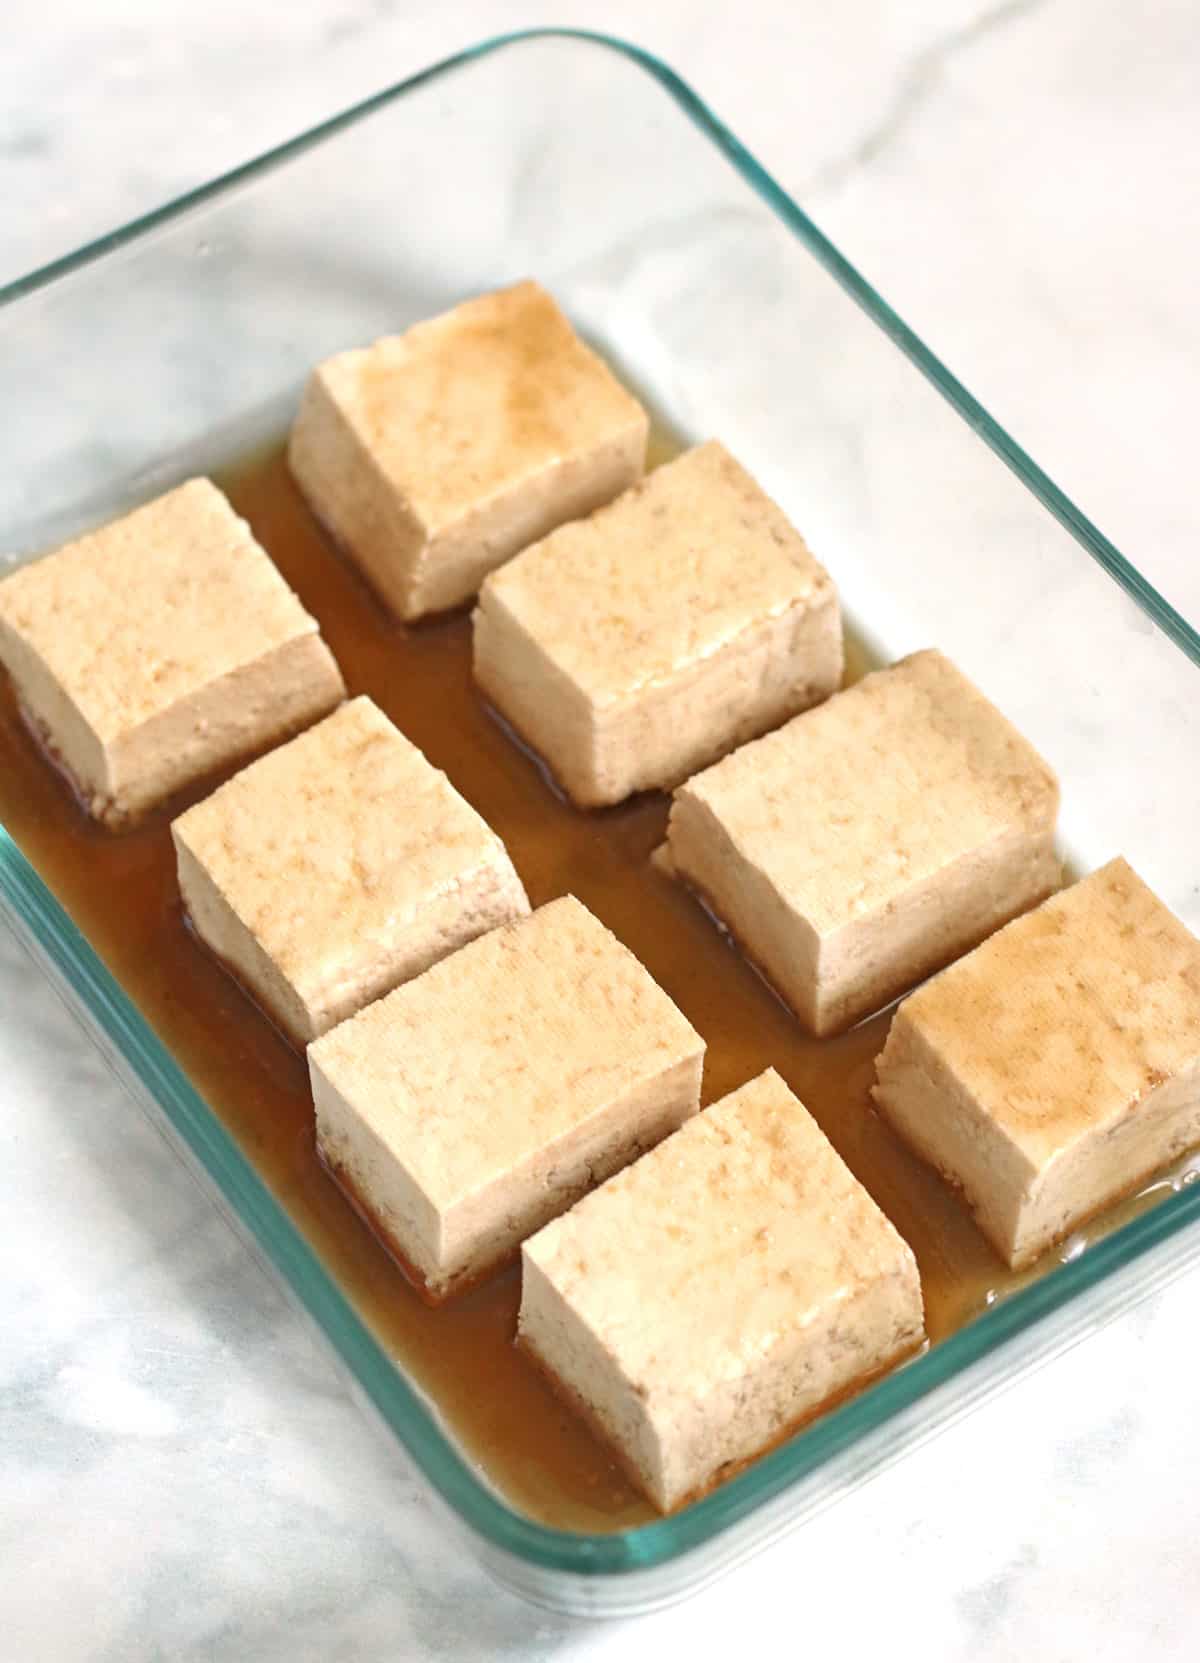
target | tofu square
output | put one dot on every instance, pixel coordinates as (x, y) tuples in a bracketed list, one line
[(473, 1104), (435, 455), (159, 648), (337, 866), (728, 1286), (633, 647), (871, 840), (1056, 1067)]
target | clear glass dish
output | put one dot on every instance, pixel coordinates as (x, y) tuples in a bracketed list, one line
[(176, 343)]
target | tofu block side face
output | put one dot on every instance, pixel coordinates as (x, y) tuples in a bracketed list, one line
[(634, 647), (718, 1292), (1161, 1126), (1057, 1067), (864, 965), (380, 1187), (871, 840), (938, 1116), (487, 1226), (499, 1087), (582, 1370), (338, 866), (159, 648), (771, 933), (846, 1344), (434, 456)]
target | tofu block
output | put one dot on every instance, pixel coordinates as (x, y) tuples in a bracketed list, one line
[(1056, 1067), (632, 648), (159, 648), (871, 840), (470, 1106), (728, 1286), (338, 866), (435, 455)]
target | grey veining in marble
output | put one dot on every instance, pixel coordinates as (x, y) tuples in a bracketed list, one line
[(183, 1476)]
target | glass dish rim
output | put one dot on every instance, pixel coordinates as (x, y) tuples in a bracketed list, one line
[(410, 1419)]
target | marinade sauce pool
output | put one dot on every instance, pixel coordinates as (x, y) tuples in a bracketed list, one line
[(121, 891)]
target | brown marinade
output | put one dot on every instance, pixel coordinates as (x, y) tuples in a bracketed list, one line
[(121, 891)]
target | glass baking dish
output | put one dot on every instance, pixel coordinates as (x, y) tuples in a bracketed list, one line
[(181, 341)]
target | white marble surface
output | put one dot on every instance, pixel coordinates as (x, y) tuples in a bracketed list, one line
[(182, 1475)]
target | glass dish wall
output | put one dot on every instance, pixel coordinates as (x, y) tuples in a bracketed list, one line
[(173, 345)]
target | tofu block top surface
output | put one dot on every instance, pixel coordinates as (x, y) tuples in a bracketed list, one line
[(144, 612), (474, 1067), (849, 804), (468, 404), (660, 579), (694, 1261), (1065, 1017), (326, 843)]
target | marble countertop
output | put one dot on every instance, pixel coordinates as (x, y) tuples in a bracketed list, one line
[(183, 1474)]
